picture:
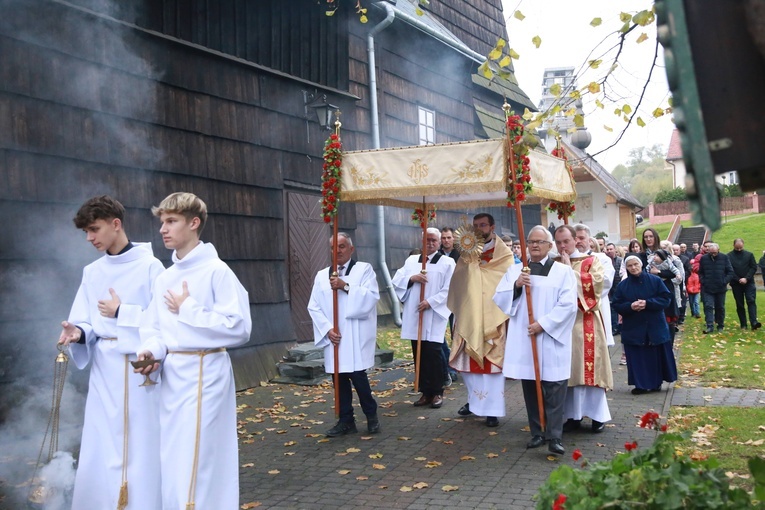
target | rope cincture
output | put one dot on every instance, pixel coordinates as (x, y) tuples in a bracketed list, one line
[(190, 504), (122, 500)]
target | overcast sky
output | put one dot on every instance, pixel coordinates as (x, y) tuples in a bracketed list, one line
[(567, 41)]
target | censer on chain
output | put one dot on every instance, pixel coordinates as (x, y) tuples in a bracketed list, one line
[(39, 493)]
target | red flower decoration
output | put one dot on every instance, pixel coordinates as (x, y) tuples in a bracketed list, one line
[(418, 216), (664, 428), (330, 177), (520, 183), (577, 454), (630, 446), (564, 209), (650, 420), (558, 503)]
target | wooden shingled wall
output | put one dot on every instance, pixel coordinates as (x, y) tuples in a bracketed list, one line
[(91, 104)]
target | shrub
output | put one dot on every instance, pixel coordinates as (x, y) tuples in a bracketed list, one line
[(652, 478)]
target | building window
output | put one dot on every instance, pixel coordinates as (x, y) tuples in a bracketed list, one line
[(733, 177), (427, 126)]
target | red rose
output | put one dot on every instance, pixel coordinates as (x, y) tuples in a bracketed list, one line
[(664, 428), (521, 197), (331, 199), (553, 206), (573, 207), (558, 503), (327, 219), (519, 187), (330, 207), (630, 446), (577, 454)]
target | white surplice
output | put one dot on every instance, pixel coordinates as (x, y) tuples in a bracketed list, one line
[(215, 315), (357, 318), (436, 318), (100, 465), (554, 303)]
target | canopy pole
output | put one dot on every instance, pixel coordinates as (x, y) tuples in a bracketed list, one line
[(423, 271), (527, 270)]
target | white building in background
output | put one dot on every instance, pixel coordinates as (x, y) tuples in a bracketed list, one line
[(676, 164), (602, 203)]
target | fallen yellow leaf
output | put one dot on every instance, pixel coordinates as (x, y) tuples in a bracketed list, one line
[(253, 504), (377, 455), (353, 450), (449, 488), (362, 477), (249, 464), (378, 466), (492, 455), (405, 488), (274, 472), (343, 471), (420, 485), (467, 457)]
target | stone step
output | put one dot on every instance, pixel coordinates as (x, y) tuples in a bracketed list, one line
[(304, 352), (312, 372)]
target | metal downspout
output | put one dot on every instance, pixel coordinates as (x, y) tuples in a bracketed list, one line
[(389, 17)]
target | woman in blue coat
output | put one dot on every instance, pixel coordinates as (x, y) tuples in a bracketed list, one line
[(641, 299)]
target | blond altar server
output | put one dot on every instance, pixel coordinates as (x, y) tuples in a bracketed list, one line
[(357, 299), (407, 282), (591, 374), (118, 465), (198, 310), (478, 341), (553, 296)]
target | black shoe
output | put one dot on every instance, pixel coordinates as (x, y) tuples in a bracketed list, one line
[(571, 425), (639, 391), (464, 410), (556, 447), (453, 376), (598, 426), (744, 326), (492, 421), (341, 429), (424, 400), (373, 424), (720, 328), (756, 326), (447, 381), (708, 330), (536, 442)]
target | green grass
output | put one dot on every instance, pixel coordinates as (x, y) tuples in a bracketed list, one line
[(722, 433), (390, 338), (733, 358), (749, 227)]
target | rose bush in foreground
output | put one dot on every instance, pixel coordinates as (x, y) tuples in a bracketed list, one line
[(648, 478)]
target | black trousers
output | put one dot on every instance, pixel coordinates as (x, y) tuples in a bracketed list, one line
[(714, 308), (746, 292), (554, 396), (363, 390), (431, 381)]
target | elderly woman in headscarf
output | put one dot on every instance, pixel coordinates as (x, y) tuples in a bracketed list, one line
[(641, 299)]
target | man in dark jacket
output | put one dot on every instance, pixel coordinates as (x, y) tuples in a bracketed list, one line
[(677, 250), (715, 272), (742, 285)]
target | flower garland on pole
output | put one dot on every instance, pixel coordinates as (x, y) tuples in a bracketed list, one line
[(563, 209), (519, 182), (330, 178), (418, 217)]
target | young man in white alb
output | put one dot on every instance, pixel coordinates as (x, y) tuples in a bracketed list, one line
[(199, 309), (118, 466)]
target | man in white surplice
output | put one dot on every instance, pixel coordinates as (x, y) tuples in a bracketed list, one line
[(435, 316), (553, 294), (198, 310), (103, 329), (357, 297)]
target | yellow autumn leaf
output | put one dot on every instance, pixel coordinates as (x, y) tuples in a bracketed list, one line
[(274, 472), (377, 455), (575, 94), (527, 114), (641, 38), (253, 504), (449, 488), (593, 87), (432, 463), (420, 485), (500, 43), (599, 104), (378, 466), (362, 477), (403, 438), (505, 61), (513, 54), (644, 17), (249, 464), (618, 111), (419, 11), (555, 89), (420, 458), (536, 41), (640, 122), (352, 450), (570, 112), (624, 17), (290, 443), (571, 130), (596, 22), (467, 457), (363, 19), (627, 109), (289, 454), (594, 63), (579, 120), (343, 471), (607, 128), (552, 458), (485, 71), (495, 54), (519, 15), (492, 455), (405, 488)]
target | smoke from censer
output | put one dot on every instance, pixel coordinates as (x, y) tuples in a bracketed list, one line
[(76, 109)]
